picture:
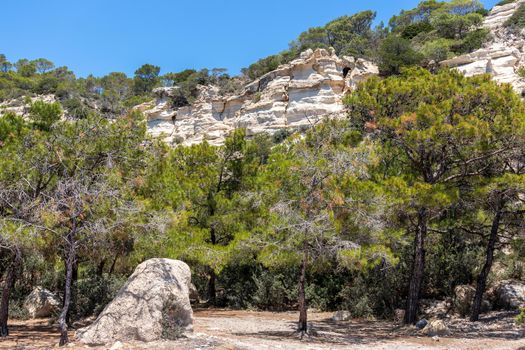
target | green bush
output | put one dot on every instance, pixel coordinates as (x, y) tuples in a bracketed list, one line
[(172, 327), (517, 20), (437, 50), (395, 53), (94, 293), (472, 41), (17, 310), (521, 72), (412, 30), (273, 291), (505, 2), (520, 319)]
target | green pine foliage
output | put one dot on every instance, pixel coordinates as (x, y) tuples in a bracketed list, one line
[(517, 20), (403, 199)]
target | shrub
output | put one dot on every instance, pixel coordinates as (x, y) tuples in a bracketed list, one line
[(521, 72), (172, 327), (17, 311), (257, 97), (94, 293), (271, 291), (505, 2), (520, 319), (412, 30), (517, 20), (396, 52), (437, 50), (472, 41)]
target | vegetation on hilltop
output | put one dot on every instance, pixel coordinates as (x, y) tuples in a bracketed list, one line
[(403, 200), (416, 192), (431, 32), (517, 20)]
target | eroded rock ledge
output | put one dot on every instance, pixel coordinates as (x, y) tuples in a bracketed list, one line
[(502, 56), (294, 95)]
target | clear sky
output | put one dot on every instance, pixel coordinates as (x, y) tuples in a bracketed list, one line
[(102, 36)]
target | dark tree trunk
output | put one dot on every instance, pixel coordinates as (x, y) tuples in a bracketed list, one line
[(212, 289), (8, 286), (100, 268), (416, 279), (112, 268), (303, 317), (489, 257), (70, 263), (73, 299)]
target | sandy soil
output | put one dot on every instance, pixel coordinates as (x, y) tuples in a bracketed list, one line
[(223, 329)]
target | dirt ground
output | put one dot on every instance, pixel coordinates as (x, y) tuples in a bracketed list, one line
[(224, 329)]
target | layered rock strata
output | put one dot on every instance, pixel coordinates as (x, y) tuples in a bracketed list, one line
[(295, 95), (503, 56)]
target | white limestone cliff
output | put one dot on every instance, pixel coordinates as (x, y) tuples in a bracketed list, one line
[(502, 56), (20, 106), (295, 95)]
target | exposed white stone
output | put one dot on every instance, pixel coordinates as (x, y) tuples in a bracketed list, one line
[(157, 291), (298, 94), (41, 303), (502, 56), (20, 106), (510, 294)]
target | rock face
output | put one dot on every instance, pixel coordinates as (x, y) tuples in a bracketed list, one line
[(41, 303), (19, 106), (156, 295), (509, 295), (294, 95), (435, 308), (463, 297), (436, 327), (342, 316), (502, 56)]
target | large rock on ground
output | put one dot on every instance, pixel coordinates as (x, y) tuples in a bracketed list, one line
[(463, 299), (41, 303), (436, 327), (153, 303), (509, 295), (342, 315), (435, 308)]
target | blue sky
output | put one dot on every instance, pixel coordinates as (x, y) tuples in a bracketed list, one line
[(102, 36)]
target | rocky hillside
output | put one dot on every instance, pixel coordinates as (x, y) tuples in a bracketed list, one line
[(295, 95), (502, 56), (304, 91)]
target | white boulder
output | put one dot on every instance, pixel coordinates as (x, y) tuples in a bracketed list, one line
[(41, 303), (153, 303), (509, 295)]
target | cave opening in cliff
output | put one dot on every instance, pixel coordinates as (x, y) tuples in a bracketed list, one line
[(346, 70)]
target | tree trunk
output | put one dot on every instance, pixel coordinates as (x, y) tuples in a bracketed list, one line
[(100, 268), (212, 291), (73, 293), (489, 257), (303, 317), (112, 268), (70, 262), (8, 286), (416, 278)]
